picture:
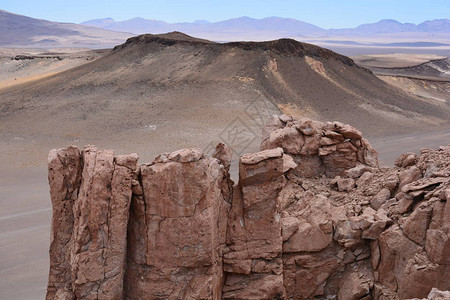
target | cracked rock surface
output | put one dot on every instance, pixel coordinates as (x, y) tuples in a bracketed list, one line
[(312, 216)]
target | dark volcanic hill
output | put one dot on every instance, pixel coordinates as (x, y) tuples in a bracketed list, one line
[(172, 89)]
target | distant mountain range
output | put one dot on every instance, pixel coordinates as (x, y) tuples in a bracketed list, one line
[(22, 31), (393, 26), (385, 36), (280, 26), (284, 26)]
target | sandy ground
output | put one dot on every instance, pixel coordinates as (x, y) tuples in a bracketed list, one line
[(437, 90), (397, 60), (390, 147), (25, 215), (36, 64), (412, 73)]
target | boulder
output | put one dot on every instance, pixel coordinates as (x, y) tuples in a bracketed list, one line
[(357, 171), (344, 184), (380, 198), (306, 238), (288, 138), (408, 175), (354, 286), (415, 226), (405, 202), (305, 275), (406, 160), (365, 179)]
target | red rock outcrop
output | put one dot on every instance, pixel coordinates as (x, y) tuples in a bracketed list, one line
[(91, 193), (64, 175), (179, 230), (312, 216), (319, 148), (253, 258)]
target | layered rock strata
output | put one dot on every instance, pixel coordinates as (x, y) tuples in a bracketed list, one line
[(313, 216)]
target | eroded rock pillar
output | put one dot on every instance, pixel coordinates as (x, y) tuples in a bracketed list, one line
[(91, 195), (183, 215), (253, 259), (64, 176)]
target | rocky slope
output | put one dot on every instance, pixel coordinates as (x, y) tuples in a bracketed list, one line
[(431, 89), (312, 216), (184, 92)]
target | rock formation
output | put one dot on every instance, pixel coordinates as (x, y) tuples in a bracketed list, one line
[(91, 193), (178, 229), (312, 216)]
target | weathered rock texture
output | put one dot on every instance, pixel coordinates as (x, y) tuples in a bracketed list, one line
[(312, 216), (319, 148), (91, 194), (179, 228), (253, 257)]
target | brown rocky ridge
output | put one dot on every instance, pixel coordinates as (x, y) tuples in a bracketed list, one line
[(183, 91), (313, 216)]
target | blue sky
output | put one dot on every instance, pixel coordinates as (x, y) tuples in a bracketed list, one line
[(323, 13)]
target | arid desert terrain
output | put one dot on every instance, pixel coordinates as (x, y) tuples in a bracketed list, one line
[(159, 93)]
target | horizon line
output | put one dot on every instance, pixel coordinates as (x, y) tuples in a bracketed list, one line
[(232, 18)]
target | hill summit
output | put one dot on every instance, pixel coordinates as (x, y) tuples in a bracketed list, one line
[(182, 90)]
